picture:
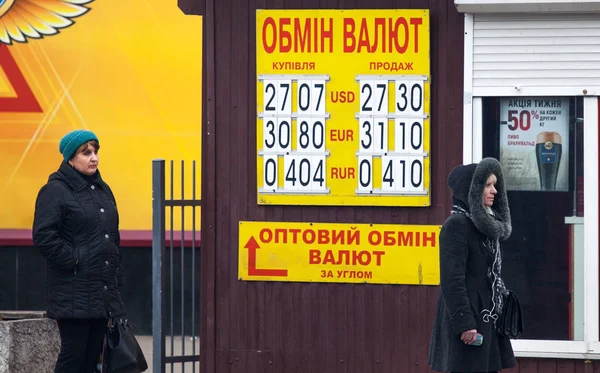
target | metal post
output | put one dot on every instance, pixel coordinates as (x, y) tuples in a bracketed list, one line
[(182, 266), (171, 270), (193, 264), (158, 269), (17, 279)]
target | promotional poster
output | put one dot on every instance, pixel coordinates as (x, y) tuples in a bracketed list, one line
[(534, 143), (135, 81)]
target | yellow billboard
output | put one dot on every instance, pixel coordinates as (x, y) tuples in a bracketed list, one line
[(343, 107), (330, 252), (128, 70)]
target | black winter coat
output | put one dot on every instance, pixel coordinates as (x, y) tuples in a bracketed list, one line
[(465, 288), (465, 292), (76, 228)]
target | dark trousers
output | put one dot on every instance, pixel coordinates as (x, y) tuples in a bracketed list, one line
[(80, 345)]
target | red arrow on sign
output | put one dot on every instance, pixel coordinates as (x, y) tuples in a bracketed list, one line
[(252, 246)]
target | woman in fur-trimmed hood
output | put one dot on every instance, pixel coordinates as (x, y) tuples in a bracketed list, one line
[(471, 287)]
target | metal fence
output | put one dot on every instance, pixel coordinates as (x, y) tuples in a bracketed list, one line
[(175, 269)]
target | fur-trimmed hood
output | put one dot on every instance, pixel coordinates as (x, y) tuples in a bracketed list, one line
[(467, 183)]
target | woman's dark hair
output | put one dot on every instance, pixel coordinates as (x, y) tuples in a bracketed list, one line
[(84, 146)]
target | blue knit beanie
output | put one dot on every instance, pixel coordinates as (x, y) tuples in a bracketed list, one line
[(73, 140)]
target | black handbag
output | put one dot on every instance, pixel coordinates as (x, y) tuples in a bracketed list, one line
[(510, 322), (123, 353)]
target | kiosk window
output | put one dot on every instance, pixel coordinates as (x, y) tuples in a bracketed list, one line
[(539, 141)]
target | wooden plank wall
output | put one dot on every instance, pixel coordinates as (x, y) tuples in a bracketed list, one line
[(300, 327)]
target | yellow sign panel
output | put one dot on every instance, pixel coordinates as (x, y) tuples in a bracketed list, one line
[(343, 103), (323, 252)]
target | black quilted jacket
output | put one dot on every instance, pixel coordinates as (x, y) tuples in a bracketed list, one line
[(76, 228)]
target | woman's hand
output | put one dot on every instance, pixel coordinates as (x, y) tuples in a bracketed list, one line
[(469, 336)]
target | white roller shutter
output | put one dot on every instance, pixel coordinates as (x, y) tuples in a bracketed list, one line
[(536, 54)]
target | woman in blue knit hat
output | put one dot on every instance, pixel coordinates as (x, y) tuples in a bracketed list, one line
[(76, 228)]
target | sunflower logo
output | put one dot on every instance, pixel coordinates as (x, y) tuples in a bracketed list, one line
[(22, 19)]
